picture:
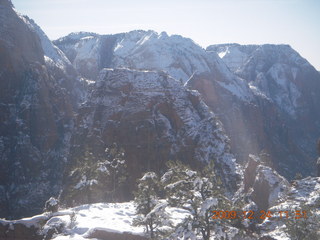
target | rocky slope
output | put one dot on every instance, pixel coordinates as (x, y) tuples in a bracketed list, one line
[(154, 119), (59, 66), (36, 115)]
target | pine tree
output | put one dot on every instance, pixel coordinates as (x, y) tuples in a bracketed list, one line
[(97, 178), (197, 193), (51, 205), (151, 212), (116, 168)]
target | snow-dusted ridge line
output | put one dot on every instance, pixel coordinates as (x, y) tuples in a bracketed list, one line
[(50, 50), (180, 57)]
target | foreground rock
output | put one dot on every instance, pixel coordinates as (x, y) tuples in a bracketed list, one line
[(263, 185)]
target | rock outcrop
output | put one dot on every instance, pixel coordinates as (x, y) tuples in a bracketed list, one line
[(154, 119), (263, 185)]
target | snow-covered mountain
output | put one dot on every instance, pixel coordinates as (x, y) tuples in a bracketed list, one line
[(286, 87), (180, 57), (52, 53), (273, 71), (58, 65), (258, 92)]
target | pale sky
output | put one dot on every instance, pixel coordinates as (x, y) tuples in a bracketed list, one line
[(294, 22)]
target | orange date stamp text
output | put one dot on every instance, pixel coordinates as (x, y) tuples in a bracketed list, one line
[(297, 214)]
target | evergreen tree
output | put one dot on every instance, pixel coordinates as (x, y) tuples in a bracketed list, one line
[(97, 178), (116, 169), (151, 212), (198, 193), (51, 205)]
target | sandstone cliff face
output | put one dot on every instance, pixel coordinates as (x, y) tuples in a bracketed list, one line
[(155, 119), (35, 117), (256, 126)]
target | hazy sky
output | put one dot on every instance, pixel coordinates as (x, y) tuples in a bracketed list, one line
[(294, 22)]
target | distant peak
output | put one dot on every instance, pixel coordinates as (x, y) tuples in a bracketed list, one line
[(164, 34), (275, 46), (140, 31), (75, 36)]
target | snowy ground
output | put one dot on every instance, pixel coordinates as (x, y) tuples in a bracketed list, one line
[(82, 220), (79, 222)]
